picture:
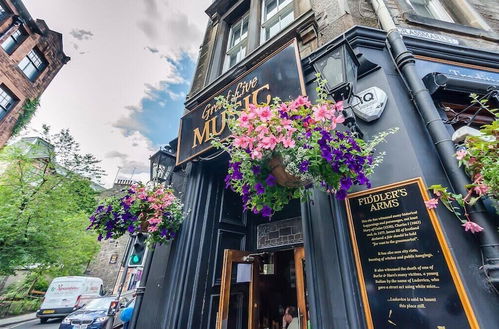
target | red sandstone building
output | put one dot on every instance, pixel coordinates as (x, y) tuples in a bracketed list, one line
[(30, 56)]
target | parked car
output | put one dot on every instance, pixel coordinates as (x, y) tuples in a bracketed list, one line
[(67, 294), (94, 315)]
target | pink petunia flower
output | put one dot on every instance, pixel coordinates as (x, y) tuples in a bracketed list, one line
[(481, 189), (154, 220), (431, 204), (339, 106), (269, 142), (322, 113), (142, 196), (339, 119), (262, 130), (283, 108), (256, 154), (286, 124), (461, 154), (264, 113), (472, 227), (152, 228), (156, 206), (302, 101), (288, 142), (241, 141)]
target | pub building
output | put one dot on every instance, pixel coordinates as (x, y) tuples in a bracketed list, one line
[(380, 259)]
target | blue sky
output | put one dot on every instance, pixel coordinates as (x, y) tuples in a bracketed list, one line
[(122, 93), (162, 110)]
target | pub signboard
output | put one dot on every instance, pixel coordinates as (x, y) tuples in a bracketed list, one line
[(279, 75), (407, 275)]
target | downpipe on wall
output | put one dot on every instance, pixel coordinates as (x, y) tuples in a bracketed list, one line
[(405, 61)]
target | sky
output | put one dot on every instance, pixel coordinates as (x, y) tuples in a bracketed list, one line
[(122, 93)]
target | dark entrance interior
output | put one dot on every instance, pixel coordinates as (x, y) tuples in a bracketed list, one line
[(277, 288)]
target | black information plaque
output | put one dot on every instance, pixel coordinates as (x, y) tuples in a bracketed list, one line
[(407, 275), (278, 75)]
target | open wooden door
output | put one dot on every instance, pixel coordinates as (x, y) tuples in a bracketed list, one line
[(300, 286), (239, 297)]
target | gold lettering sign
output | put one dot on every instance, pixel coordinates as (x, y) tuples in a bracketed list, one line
[(278, 75), (405, 270)]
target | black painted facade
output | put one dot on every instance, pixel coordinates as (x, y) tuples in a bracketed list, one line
[(184, 282)]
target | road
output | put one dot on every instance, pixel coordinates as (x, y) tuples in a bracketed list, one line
[(35, 324)]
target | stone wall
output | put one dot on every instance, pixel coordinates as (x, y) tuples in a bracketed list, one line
[(279, 233), (48, 42), (107, 263)]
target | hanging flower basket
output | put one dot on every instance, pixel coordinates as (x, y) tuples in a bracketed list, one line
[(148, 209), (279, 150)]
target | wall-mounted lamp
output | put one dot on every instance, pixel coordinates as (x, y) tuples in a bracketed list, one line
[(338, 65), (162, 164)]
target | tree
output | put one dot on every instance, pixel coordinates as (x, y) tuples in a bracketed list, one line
[(46, 196)]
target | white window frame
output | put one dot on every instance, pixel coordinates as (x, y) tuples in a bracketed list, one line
[(436, 9), (283, 8), (240, 48)]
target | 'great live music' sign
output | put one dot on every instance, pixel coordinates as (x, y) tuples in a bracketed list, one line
[(279, 75)]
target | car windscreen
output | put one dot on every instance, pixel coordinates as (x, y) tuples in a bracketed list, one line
[(99, 304)]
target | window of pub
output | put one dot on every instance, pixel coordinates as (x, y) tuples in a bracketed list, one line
[(237, 43), (276, 15)]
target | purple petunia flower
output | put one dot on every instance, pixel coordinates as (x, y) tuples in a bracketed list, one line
[(304, 166), (99, 237), (341, 194), (266, 211), (131, 228), (270, 181), (259, 188), (256, 169), (346, 183)]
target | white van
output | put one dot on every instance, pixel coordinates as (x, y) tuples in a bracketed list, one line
[(68, 293)]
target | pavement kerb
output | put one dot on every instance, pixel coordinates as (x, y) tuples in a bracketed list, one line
[(17, 319)]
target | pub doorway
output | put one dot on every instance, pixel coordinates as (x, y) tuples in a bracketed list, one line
[(257, 287)]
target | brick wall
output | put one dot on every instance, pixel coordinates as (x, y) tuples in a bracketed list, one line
[(48, 42)]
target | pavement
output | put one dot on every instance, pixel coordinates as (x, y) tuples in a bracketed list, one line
[(8, 322)]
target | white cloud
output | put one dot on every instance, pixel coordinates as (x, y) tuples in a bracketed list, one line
[(95, 95)]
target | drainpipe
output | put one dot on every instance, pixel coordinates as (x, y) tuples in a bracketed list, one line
[(405, 61)]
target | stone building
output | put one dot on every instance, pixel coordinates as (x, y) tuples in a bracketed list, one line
[(31, 56), (417, 61)]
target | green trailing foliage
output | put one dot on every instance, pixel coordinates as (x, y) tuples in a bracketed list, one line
[(479, 156), (28, 111)]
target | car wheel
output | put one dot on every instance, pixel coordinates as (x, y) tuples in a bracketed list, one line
[(43, 320)]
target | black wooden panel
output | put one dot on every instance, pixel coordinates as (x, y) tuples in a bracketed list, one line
[(232, 209), (226, 240)]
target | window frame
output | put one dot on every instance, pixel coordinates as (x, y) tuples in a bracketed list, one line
[(240, 45), (4, 93), (38, 68), (435, 8), (282, 10), (18, 40)]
